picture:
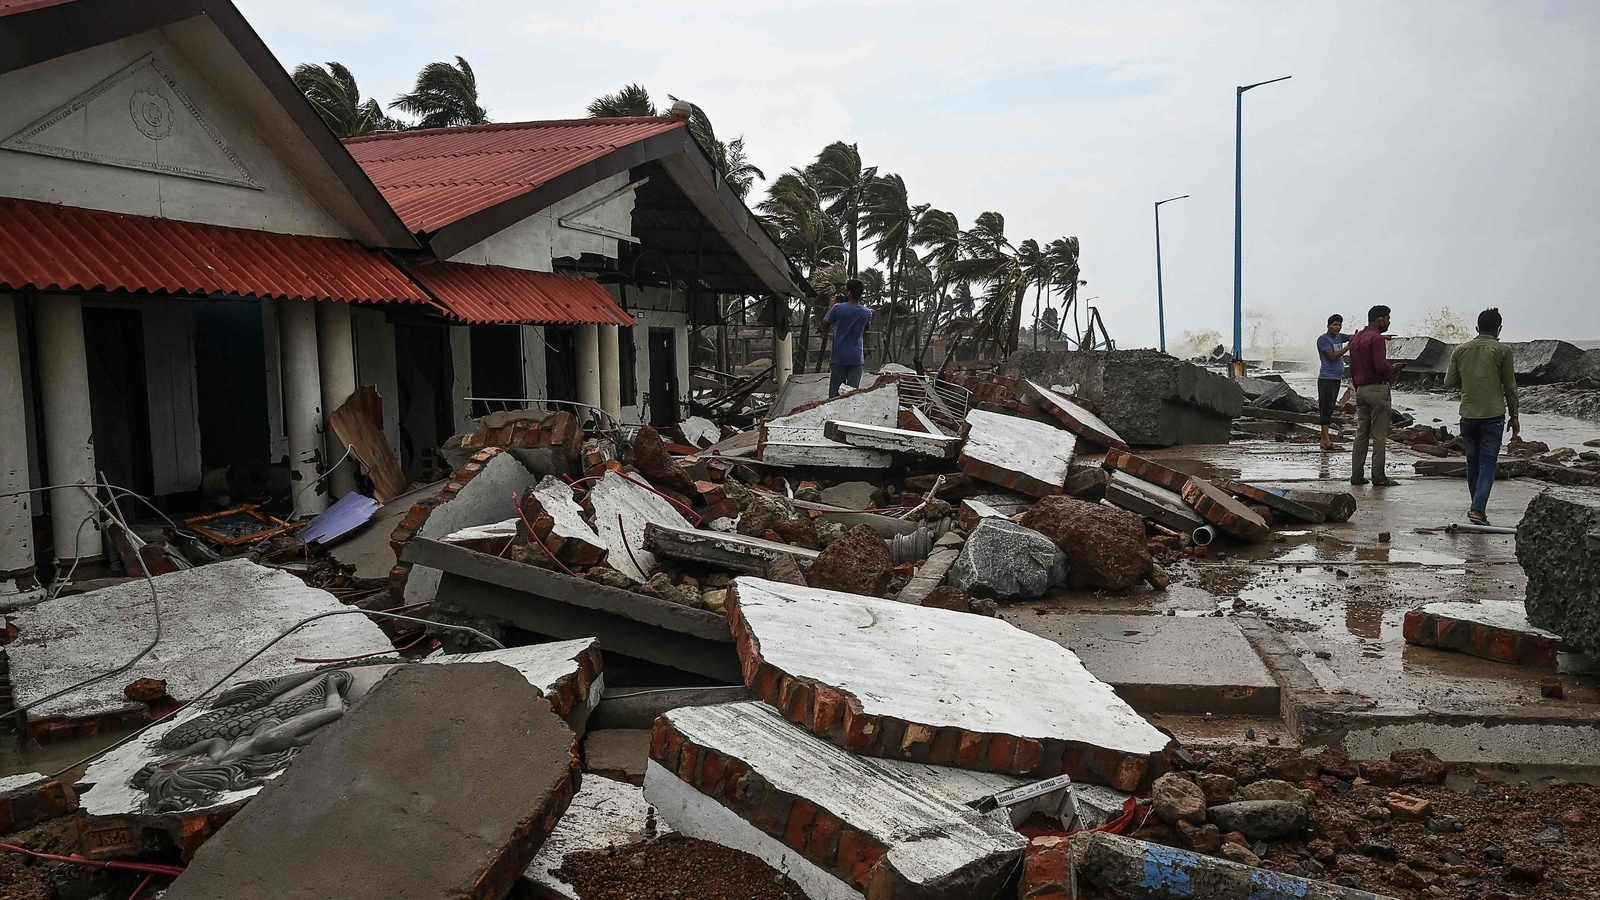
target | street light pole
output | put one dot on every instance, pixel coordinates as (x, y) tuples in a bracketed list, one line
[(1238, 224), (1161, 305)]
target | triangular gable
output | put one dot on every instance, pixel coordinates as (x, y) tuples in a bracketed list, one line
[(139, 118)]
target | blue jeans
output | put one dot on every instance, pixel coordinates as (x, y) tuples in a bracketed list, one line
[(1482, 437), (843, 374)]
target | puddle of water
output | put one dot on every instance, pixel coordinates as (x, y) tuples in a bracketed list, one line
[(51, 758), (1534, 777)]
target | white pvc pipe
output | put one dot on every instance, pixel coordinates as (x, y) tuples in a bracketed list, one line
[(336, 366), (302, 401), (610, 371), (16, 513), (588, 364), (1203, 536), (784, 359), (68, 426)]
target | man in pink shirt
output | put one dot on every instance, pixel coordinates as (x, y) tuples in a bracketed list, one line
[(1372, 373)]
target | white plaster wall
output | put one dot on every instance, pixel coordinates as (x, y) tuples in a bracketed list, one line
[(28, 94), (535, 374), (461, 383), (537, 240), (375, 365)]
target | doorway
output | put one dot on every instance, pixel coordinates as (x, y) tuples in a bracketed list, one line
[(119, 409), (663, 377), (425, 370), (496, 365), (561, 362)]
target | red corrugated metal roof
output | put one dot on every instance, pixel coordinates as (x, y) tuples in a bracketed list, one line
[(499, 294), (51, 247), (12, 7), (441, 175)]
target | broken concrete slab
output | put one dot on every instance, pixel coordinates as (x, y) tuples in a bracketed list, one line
[(928, 576), (1422, 355), (797, 438), (1338, 506), (208, 614), (622, 508), (1155, 503), (786, 448), (1547, 361), (616, 753), (568, 534), (128, 810), (1215, 506), (1146, 469), (1492, 629), (699, 432), (1021, 454), (1075, 418), (1004, 560), (728, 551), (909, 682), (841, 825), (891, 440), (368, 549), (1150, 398), (369, 811), (1558, 545), (1164, 664), (849, 494), (1274, 500), (474, 496), (603, 814), (491, 538)]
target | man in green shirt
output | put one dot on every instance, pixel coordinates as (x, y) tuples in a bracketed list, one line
[(1487, 376)]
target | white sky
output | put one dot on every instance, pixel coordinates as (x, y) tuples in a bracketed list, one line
[(1424, 154)]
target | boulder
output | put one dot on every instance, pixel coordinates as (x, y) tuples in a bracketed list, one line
[(1295, 768), (1261, 820), (1273, 789), (1005, 560), (1217, 788), (856, 563), (1381, 772), (797, 532), (1558, 545), (651, 458), (946, 597), (1105, 546), (765, 510), (1175, 798)]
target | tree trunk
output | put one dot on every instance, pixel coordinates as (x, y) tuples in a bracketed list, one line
[(1014, 332), (888, 328)]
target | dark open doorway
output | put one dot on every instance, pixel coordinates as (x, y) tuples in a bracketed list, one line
[(561, 362), (496, 364), (229, 358), (663, 377), (119, 408), (426, 372)]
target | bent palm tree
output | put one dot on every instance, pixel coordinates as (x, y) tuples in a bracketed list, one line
[(842, 181), (632, 100), (1062, 254), (887, 219), (990, 259), (336, 98), (938, 231), (444, 96)]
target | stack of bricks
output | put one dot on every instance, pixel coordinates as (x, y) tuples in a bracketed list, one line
[(597, 453), (1147, 469), (1215, 506), (1045, 865), (1434, 626), (996, 393), (527, 430), (571, 691), (413, 520), (714, 501)]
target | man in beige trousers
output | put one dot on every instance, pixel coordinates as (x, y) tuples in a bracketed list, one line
[(1372, 374)]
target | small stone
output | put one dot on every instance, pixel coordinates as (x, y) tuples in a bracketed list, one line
[(716, 600), (1380, 850), (1254, 756), (1200, 838), (1235, 853), (1381, 772), (1336, 762), (1445, 826), (1573, 816), (1383, 537), (1402, 875), (1217, 788), (946, 597), (1176, 798), (145, 690), (1274, 789), (765, 510), (827, 532), (607, 576), (1419, 766), (1452, 859), (1494, 854), (985, 606), (1295, 768), (1322, 851), (1377, 812), (1340, 786), (1406, 808), (1249, 734), (1552, 687), (1525, 872), (1235, 837), (1261, 819), (1551, 835)]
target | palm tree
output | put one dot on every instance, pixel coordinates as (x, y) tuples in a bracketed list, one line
[(1062, 254), (1037, 268), (841, 181), (940, 233), (989, 258), (888, 219), (632, 100), (444, 96), (807, 234), (334, 95)]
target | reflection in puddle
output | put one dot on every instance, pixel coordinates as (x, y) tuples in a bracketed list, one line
[(1364, 618)]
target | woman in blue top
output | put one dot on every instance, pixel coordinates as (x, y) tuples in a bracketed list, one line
[(1331, 348)]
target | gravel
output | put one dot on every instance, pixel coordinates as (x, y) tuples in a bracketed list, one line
[(675, 868)]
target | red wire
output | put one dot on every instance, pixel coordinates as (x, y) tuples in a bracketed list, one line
[(152, 868), (142, 885), (517, 502)]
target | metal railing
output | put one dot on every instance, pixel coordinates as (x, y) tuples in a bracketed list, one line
[(590, 417), (935, 396)]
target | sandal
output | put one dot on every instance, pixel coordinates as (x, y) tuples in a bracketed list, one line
[(1477, 518)]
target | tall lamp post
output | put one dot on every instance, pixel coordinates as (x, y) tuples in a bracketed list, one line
[(1161, 305), (1238, 227)]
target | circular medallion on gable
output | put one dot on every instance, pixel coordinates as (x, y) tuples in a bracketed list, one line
[(152, 114)]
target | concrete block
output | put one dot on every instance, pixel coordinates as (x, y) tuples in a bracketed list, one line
[(1016, 453), (1558, 545), (603, 814), (928, 576), (622, 508), (1215, 506), (569, 536), (479, 493), (1075, 418), (891, 440), (1123, 868), (1147, 469), (1149, 398), (492, 538), (841, 825), (1155, 503), (1338, 506), (728, 551), (1492, 629), (31, 798), (1165, 664), (616, 754), (1274, 500), (891, 680), (1005, 560), (414, 794), (1421, 355), (797, 438), (1548, 361)]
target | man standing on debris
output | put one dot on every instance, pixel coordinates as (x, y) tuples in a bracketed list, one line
[(1487, 376), (1331, 348), (1371, 373), (849, 322)]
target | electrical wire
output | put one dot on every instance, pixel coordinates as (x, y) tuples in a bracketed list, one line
[(264, 648), (150, 868), (294, 507)]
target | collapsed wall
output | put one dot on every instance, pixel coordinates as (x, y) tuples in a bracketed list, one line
[(1150, 398)]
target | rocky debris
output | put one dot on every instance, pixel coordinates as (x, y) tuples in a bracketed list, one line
[(797, 531), (1274, 789), (1005, 560), (856, 563), (1217, 788), (1558, 545), (1419, 766), (764, 510), (651, 458), (1177, 799), (1261, 820), (1105, 547), (674, 868)]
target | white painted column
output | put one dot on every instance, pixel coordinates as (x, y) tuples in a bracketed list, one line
[(302, 402), (461, 383), (277, 437), (588, 340), (336, 366), (535, 371), (16, 513), (610, 371), (68, 426), (783, 358)]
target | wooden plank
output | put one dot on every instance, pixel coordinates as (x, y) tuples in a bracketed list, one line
[(359, 424)]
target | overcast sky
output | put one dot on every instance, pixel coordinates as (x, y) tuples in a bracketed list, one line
[(1425, 154)]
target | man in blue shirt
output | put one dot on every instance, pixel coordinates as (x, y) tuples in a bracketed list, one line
[(1331, 348), (849, 322)]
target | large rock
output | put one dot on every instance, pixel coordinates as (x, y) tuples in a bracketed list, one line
[(1261, 820), (1545, 362), (1558, 545), (857, 563), (1150, 398), (1175, 798), (651, 458), (765, 510), (1105, 546), (1005, 560)]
